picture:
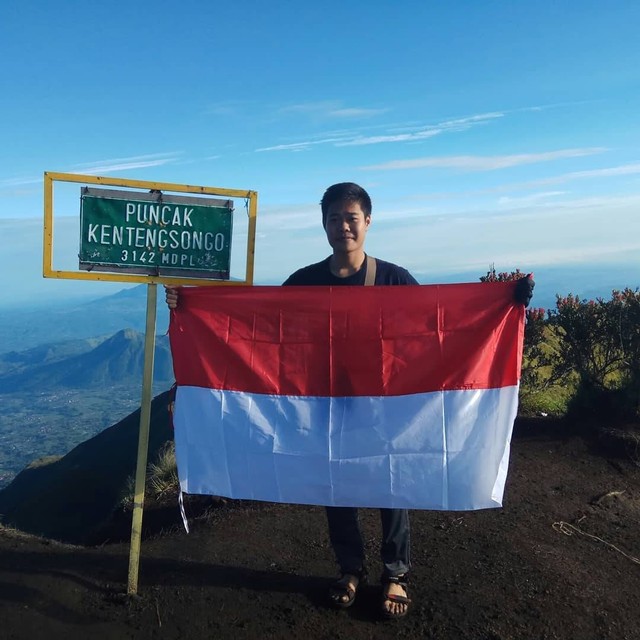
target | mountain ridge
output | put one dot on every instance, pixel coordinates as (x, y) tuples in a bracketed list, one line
[(115, 359)]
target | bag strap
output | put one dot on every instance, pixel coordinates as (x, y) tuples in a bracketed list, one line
[(370, 278)]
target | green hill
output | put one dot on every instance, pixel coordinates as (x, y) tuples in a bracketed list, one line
[(115, 360)]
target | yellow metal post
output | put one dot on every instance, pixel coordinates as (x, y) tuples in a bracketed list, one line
[(251, 240), (143, 439), (47, 244)]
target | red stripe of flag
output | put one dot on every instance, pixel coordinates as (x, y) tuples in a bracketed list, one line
[(348, 341)]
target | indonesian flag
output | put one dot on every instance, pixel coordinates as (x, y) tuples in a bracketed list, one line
[(398, 397)]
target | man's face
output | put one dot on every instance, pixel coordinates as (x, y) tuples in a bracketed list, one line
[(346, 226)]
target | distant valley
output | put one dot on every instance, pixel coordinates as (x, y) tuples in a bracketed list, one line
[(57, 395)]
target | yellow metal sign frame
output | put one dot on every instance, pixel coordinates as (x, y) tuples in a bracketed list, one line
[(47, 260), (150, 331)]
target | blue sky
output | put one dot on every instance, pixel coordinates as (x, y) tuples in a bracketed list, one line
[(485, 132)]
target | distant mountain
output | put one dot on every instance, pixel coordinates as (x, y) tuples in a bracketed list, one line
[(118, 359), (16, 361), (20, 330)]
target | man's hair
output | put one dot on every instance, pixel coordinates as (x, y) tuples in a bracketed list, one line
[(345, 192)]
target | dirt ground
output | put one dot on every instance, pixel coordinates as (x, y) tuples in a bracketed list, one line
[(251, 570)]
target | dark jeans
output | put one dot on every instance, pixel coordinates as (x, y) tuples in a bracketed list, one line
[(346, 540)]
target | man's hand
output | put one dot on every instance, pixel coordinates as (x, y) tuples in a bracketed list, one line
[(524, 290), (171, 296)]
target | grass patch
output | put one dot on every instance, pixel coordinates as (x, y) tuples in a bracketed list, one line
[(162, 475), (161, 481), (553, 401)]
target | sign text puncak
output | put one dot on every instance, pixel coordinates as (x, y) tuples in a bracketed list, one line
[(155, 233)]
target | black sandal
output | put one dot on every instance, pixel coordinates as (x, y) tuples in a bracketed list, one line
[(341, 594), (389, 597)]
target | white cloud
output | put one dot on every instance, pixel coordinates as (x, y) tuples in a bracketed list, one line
[(533, 198), (593, 174), (310, 107), (296, 146), (133, 162), (101, 167), (355, 113), (607, 172), (598, 204), (16, 182), (415, 133), (397, 137), (484, 163), (332, 109), (423, 133)]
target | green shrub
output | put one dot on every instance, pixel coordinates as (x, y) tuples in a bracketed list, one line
[(162, 475), (599, 341), (581, 358), (161, 479)]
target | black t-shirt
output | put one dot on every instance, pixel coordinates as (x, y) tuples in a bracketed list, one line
[(320, 274)]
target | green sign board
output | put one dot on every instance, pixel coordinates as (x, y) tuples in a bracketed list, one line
[(155, 233)]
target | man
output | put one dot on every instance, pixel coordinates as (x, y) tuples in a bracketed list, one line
[(346, 218)]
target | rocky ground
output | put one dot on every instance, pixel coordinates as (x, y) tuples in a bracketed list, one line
[(559, 561)]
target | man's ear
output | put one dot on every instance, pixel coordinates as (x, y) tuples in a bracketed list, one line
[(367, 221)]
